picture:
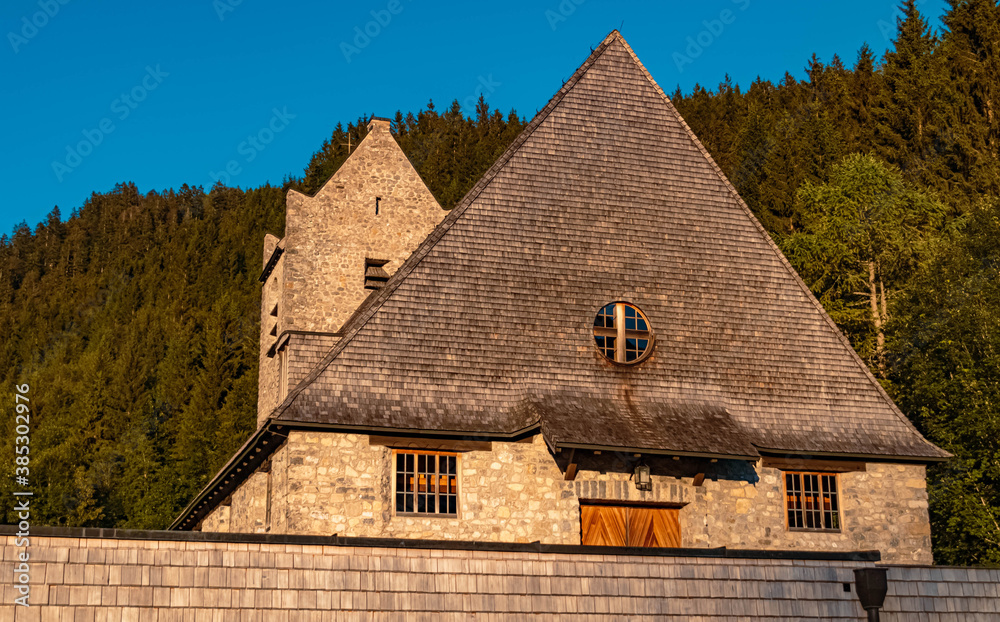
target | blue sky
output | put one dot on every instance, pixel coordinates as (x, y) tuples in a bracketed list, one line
[(167, 93)]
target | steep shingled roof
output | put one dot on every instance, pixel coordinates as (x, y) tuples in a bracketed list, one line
[(606, 196)]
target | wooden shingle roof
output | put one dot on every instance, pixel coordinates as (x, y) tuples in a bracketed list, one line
[(606, 196)]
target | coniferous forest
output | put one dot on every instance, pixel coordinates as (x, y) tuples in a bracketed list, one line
[(135, 317)]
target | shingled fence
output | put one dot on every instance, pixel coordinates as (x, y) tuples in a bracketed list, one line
[(98, 575)]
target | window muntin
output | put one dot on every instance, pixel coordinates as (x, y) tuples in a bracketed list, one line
[(622, 333), (812, 502), (426, 483)]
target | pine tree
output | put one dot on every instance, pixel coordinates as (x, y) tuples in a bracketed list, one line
[(865, 87)]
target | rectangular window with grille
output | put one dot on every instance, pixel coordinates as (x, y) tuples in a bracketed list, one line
[(811, 501), (426, 483)]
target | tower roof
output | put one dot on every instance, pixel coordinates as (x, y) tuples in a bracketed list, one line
[(606, 196)]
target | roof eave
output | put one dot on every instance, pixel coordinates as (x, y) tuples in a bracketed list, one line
[(271, 262), (870, 457), (253, 452), (366, 429), (660, 452)]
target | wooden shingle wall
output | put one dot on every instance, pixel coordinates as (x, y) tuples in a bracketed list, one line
[(924, 593), (305, 353), (161, 580)]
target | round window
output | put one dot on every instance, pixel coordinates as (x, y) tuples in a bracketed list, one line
[(622, 333)]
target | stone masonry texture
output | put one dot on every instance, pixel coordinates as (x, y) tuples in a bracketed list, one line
[(325, 483), (328, 237), (270, 310), (318, 281), (160, 577)]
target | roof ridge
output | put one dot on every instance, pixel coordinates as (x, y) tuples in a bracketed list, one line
[(370, 306), (772, 245)]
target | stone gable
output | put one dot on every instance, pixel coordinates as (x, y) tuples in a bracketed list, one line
[(374, 207)]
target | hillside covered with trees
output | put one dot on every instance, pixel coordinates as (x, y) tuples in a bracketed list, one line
[(135, 318)]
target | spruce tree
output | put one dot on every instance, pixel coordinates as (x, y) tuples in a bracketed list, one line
[(909, 117), (971, 142)]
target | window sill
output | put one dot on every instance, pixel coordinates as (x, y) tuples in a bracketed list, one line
[(805, 530), (423, 515)]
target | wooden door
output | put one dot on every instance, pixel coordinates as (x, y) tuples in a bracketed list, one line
[(603, 525), (609, 525), (653, 527)]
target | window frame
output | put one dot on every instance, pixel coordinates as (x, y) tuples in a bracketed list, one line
[(438, 496), (620, 333), (836, 511)]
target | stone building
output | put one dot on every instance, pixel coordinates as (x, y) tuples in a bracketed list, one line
[(339, 244), (598, 345)]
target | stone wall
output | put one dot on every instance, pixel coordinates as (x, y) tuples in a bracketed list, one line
[(248, 505), (325, 483), (270, 329), (218, 521), (101, 575), (883, 507)]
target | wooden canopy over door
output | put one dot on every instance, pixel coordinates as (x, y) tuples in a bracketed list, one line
[(612, 525)]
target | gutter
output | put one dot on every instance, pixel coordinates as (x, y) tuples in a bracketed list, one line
[(273, 261), (856, 456), (246, 460)]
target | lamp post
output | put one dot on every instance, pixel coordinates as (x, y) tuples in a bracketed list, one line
[(872, 585)]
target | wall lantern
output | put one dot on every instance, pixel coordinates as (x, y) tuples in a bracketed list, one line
[(642, 479), (872, 586)]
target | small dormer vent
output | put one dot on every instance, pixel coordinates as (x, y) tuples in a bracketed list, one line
[(375, 274)]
